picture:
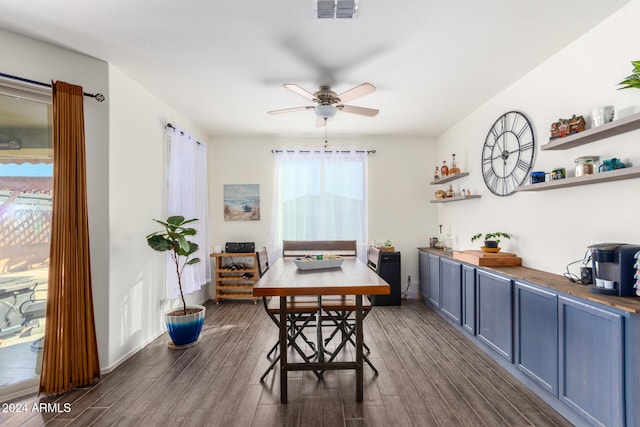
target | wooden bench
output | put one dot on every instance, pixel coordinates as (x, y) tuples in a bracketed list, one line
[(296, 248)]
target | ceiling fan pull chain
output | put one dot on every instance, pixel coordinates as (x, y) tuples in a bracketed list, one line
[(326, 144)]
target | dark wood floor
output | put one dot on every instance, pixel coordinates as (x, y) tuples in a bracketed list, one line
[(430, 375)]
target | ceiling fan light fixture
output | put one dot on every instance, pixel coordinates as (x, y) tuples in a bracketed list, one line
[(325, 111), (335, 9)]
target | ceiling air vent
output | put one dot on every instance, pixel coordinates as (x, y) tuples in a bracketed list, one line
[(335, 8)]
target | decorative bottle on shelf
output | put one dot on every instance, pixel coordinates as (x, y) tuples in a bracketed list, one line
[(436, 174), (444, 169), (450, 191), (454, 166)]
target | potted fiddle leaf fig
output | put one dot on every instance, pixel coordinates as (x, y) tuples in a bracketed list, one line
[(491, 240), (632, 81), (183, 325)]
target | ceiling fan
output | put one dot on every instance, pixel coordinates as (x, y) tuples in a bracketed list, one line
[(327, 102)]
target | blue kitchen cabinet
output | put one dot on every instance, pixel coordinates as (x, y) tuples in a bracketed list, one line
[(469, 298), (423, 269), (451, 289), (537, 335), (591, 361), (433, 281), (429, 271), (494, 308), (577, 353)]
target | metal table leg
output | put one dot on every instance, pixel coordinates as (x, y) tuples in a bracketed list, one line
[(359, 353), (283, 350), (320, 343)]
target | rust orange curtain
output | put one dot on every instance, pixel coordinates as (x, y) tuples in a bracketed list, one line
[(70, 354)]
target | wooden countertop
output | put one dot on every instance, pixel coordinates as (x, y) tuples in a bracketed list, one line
[(556, 282)]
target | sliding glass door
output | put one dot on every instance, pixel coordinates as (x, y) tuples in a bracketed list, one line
[(25, 224)]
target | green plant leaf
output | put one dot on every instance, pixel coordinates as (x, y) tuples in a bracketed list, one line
[(159, 243), (193, 247), (183, 244), (188, 231), (632, 81), (491, 236), (164, 224), (176, 220), (193, 261)]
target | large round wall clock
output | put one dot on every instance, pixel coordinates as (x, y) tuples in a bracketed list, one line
[(507, 155)]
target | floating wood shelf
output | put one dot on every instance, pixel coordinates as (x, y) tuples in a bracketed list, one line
[(614, 175), (607, 130), (455, 199), (449, 178)]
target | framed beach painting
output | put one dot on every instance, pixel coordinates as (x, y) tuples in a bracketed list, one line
[(241, 202)]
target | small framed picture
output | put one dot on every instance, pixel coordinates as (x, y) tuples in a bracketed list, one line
[(241, 202)]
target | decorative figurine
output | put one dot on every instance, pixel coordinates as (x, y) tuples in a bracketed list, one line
[(576, 124), (555, 132), (564, 127)]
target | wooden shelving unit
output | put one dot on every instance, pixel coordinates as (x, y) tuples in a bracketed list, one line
[(455, 199), (607, 130), (614, 175), (236, 273), (449, 178)]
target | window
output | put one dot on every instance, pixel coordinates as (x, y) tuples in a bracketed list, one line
[(320, 195), (25, 224)]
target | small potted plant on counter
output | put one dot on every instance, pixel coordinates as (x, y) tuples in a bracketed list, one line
[(491, 240), (184, 324)]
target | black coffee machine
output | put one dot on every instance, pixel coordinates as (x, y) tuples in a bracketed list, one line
[(613, 268)]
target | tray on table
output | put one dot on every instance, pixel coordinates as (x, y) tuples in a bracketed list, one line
[(315, 264)]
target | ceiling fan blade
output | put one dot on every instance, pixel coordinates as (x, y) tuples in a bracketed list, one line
[(357, 92), (300, 91), (358, 110), (290, 110)]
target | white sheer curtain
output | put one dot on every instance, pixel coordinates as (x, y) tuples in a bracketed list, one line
[(188, 196), (320, 195)]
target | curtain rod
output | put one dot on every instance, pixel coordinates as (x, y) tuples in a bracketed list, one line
[(170, 126), (97, 96), (323, 151)]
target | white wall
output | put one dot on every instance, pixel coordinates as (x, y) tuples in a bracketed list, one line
[(137, 193), (399, 173), (42, 62), (553, 228)]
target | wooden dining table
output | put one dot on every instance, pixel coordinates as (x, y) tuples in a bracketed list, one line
[(352, 278)]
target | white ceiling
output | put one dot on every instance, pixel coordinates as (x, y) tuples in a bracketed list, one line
[(222, 62)]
